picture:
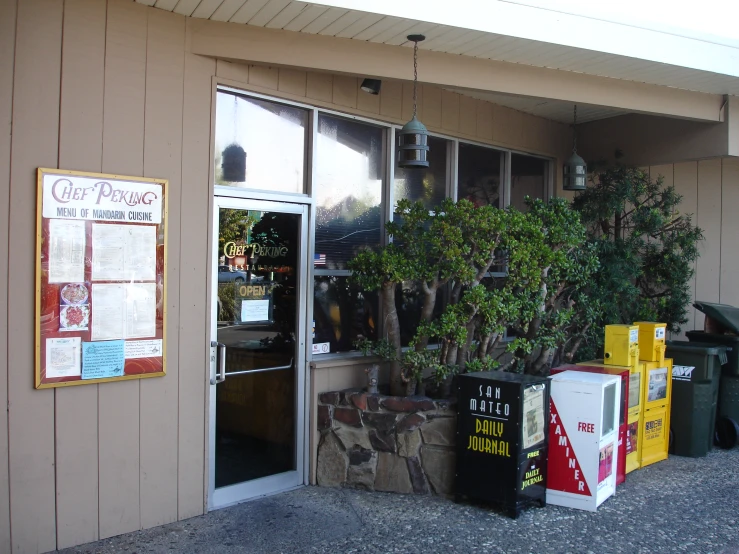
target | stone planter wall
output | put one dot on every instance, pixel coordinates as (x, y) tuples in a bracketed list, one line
[(386, 443)]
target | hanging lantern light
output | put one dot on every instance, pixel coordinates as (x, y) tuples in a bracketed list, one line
[(413, 137), (234, 164), (575, 171)]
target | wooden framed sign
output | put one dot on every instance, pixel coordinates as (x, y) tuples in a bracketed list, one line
[(101, 266)]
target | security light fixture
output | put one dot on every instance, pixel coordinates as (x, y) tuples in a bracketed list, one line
[(575, 171), (413, 137), (371, 86)]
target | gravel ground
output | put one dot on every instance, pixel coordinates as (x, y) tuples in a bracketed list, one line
[(679, 505)]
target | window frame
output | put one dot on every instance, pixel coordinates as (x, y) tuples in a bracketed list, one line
[(390, 131)]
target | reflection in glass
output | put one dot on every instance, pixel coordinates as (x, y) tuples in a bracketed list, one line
[(479, 175), (528, 178), (427, 185), (408, 302), (259, 144), (348, 190), (257, 316), (342, 313)]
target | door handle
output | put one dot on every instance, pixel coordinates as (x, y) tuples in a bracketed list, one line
[(260, 370), (220, 377)]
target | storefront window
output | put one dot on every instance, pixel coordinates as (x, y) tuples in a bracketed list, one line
[(342, 313), (528, 178), (479, 175), (426, 185), (260, 144), (263, 145), (348, 190)]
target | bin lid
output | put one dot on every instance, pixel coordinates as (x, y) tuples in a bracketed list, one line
[(726, 315), (697, 348)]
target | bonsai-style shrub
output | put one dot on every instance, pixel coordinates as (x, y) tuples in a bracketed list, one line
[(646, 250), (450, 253), (558, 315)]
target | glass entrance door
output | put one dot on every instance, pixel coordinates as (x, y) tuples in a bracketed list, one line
[(257, 349)]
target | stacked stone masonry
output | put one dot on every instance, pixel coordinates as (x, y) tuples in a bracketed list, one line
[(386, 443)]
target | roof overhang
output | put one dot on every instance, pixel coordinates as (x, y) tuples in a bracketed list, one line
[(519, 53), (536, 26), (322, 53)]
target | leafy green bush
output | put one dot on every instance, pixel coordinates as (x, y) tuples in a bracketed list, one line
[(453, 249), (646, 250)]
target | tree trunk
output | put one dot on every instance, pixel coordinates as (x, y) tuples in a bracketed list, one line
[(538, 367), (392, 332), (427, 311), (410, 387), (462, 353)]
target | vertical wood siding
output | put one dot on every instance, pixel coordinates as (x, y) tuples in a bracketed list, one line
[(710, 191), (80, 148), (123, 154), (729, 286), (35, 143), (194, 328), (708, 218), (685, 179), (7, 58)]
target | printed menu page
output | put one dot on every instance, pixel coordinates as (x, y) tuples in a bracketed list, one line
[(66, 251), (107, 252), (141, 310), (63, 357), (123, 252), (108, 311)]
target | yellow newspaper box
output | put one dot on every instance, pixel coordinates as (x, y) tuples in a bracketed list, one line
[(652, 344), (635, 414), (657, 393), (621, 345)]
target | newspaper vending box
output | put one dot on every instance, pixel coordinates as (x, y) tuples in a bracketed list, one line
[(654, 433), (635, 410), (583, 430), (624, 373), (502, 436)]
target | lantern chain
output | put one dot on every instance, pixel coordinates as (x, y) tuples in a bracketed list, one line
[(415, 74), (574, 132)]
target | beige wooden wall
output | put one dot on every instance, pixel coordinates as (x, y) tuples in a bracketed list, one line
[(110, 86), (101, 86), (710, 190)]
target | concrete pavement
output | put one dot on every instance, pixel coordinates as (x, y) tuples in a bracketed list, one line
[(679, 505)]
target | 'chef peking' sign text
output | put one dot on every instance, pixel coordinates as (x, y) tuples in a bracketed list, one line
[(94, 198)]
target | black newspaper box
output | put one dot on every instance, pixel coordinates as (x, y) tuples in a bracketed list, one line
[(502, 438)]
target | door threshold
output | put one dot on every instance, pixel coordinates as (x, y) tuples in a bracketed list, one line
[(256, 497)]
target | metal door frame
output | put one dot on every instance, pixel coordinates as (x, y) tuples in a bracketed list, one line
[(240, 492)]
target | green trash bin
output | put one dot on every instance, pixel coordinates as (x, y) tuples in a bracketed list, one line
[(691, 418), (727, 424), (696, 370), (722, 327)]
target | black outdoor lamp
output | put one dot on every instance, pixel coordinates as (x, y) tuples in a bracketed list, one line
[(371, 86), (575, 170), (413, 137), (234, 164)]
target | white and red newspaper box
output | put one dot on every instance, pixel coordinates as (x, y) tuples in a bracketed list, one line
[(583, 439)]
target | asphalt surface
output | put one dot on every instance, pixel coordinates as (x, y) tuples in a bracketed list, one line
[(679, 505)]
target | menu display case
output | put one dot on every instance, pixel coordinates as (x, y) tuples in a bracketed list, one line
[(101, 265)]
